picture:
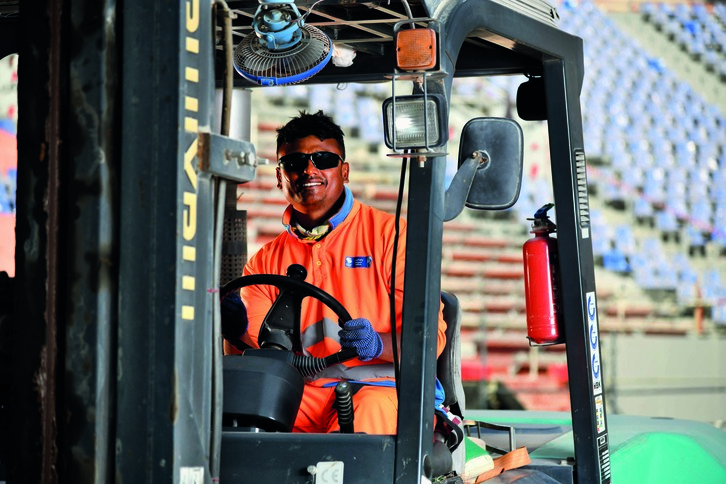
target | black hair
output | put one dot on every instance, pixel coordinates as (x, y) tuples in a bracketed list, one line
[(306, 124)]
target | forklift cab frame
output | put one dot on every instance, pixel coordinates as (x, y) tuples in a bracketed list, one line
[(124, 343)]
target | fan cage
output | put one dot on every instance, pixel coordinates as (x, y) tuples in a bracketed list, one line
[(295, 64)]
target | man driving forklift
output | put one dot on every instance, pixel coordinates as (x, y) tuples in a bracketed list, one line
[(347, 248)]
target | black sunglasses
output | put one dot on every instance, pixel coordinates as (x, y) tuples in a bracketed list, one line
[(297, 162)]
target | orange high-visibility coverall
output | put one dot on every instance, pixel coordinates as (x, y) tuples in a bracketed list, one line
[(353, 264)]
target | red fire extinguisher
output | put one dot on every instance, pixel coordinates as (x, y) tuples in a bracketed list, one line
[(541, 282)]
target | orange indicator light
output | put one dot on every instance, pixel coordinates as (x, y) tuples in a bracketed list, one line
[(416, 49)]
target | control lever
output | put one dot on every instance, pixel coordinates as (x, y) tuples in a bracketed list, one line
[(344, 407)]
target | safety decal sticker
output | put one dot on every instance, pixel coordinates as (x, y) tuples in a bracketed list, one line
[(358, 262), (599, 414), (594, 346)]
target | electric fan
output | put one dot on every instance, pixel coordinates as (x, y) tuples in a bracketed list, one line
[(282, 50)]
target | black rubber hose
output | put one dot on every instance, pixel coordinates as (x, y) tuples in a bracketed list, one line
[(310, 366)]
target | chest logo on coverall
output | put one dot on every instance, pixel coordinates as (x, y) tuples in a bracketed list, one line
[(358, 262)]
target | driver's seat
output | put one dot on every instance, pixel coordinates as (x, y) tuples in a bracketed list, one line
[(448, 372), (448, 364)]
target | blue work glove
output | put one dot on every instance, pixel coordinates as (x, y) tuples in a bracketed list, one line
[(359, 334), (234, 317)]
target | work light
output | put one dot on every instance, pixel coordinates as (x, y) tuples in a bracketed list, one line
[(404, 125)]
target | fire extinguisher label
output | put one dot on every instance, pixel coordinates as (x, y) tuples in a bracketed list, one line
[(594, 346)]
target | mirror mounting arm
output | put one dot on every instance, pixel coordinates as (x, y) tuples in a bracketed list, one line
[(458, 191)]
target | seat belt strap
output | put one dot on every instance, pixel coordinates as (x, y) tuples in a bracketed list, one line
[(511, 460)]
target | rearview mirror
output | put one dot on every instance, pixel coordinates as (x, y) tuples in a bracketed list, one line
[(498, 145)]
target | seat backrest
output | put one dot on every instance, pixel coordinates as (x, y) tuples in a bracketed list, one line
[(448, 365)]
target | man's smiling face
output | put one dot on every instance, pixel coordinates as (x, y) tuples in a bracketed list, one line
[(313, 193)]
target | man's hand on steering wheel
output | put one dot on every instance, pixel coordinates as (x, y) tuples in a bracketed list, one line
[(234, 317), (359, 334)]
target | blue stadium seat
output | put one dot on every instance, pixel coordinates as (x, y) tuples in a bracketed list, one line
[(686, 289), (643, 210), (718, 311), (614, 260), (666, 222), (711, 286), (701, 212), (696, 240), (625, 240), (654, 188)]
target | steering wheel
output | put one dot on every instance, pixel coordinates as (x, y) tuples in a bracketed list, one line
[(280, 328)]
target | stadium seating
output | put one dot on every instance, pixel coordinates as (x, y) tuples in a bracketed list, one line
[(663, 146), (696, 28)]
